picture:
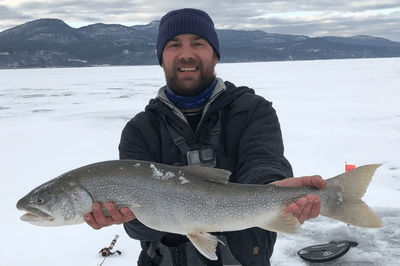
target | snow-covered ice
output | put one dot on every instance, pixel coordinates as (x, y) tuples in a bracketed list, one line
[(55, 120)]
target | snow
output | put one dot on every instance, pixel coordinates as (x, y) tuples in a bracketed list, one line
[(55, 120)]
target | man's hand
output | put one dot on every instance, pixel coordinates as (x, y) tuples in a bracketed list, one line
[(98, 220), (307, 207)]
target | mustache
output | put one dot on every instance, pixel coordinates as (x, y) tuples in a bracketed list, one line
[(191, 61)]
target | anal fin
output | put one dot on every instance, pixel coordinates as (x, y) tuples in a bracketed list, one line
[(205, 243)]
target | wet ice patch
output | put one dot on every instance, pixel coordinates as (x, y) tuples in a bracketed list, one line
[(183, 180), (159, 174), (168, 175)]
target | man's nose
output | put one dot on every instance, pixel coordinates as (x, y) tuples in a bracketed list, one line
[(186, 52)]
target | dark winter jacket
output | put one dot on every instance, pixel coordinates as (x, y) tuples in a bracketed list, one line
[(250, 146)]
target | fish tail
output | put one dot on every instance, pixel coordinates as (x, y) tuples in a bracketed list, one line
[(347, 191)]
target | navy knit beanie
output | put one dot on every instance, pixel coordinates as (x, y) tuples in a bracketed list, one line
[(184, 21)]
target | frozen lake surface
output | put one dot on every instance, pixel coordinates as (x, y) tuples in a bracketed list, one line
[(55, 120)]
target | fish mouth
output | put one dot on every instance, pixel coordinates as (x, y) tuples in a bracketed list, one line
[(33, 214), (36, 216)]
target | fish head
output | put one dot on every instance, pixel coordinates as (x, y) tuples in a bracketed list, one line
[(38, 208), (52, 204)]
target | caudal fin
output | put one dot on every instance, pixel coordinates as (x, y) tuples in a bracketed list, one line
[(347, 205)]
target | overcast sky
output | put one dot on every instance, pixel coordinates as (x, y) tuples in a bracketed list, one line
[(305, 17)]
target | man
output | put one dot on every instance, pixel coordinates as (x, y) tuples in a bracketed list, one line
[(197, 119)]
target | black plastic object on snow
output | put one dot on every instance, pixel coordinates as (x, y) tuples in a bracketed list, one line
[(326, 252)]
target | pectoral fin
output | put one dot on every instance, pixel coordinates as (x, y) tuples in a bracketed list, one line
[(284, 223), (205, 243)]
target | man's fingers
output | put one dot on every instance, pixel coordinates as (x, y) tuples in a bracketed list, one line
[(98, 220), (291, 208), (304, 181), (303, 205), (98, 215), (119, 216), (316, 208), (89, 219), (129, 216), (305, 208), (113, 213), (312, 181), (317, 181)]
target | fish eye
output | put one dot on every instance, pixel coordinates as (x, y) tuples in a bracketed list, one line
[(39, 200)]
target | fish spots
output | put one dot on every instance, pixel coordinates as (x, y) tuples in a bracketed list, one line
[(183, 180), (137, 165), (159, 174), (211, 201), (89, 170), (44, 186)]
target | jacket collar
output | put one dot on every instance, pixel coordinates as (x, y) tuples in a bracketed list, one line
[(219, 88)]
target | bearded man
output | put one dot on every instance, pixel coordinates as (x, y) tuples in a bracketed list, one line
[(199, 119)]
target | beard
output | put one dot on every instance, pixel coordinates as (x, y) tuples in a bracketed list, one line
[(190, 86)]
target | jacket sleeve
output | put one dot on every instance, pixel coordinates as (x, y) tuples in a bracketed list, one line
[(134, 145), (261, 157), (139, 231)]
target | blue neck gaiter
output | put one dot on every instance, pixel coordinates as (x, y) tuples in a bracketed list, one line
[(191, 102)]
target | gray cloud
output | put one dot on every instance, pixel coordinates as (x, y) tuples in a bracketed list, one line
[(334, 24), (312, 18), (9, 14)]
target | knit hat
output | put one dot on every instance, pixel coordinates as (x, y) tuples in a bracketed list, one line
[(183, 21)]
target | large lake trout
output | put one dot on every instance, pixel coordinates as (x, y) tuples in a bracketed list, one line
[(192, 201)]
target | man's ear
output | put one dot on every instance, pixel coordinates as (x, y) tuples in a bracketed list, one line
[(215, 58)]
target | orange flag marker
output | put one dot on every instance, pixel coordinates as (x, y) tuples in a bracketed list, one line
[(349, 167)]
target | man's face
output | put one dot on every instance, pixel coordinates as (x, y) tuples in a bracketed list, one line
[(188, 62)]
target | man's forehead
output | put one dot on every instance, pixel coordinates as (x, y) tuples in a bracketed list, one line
[(192, 37)]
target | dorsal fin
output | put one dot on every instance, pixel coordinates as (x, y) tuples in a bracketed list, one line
[(210, 174)]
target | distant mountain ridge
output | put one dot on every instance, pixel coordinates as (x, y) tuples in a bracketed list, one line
[(53, 43)]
